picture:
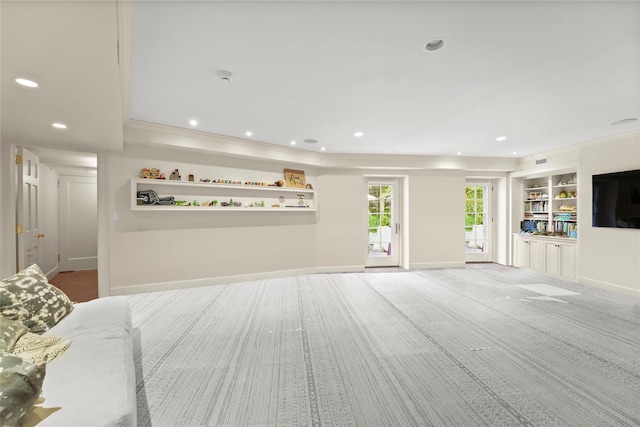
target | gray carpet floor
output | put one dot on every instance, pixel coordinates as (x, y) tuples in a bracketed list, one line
[(481, 346)]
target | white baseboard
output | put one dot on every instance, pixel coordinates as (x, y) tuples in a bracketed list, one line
[(609, 287), (194, 283), (428, 265), (53, 272)]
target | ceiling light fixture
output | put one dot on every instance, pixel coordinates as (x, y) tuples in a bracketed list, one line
[(26, 82), (224, 75), (501, 138), (434, 44), (193, 122), (293, 143), (59, 125), (248, 133), (311, 141), (459, 153), (322, 149), (358, 134), (623, 121)]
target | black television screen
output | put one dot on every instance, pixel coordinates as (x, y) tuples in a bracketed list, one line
[(616, 199)]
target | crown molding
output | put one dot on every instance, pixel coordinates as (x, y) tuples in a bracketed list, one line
[(141, 133)]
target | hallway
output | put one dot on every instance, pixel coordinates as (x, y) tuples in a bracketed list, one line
[(80, 286)]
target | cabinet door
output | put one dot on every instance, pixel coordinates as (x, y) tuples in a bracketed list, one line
[(535, 256), (568, 261), (552, 258), (522, 253)]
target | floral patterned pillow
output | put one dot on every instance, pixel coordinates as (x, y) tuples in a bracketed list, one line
[(28, 297), (21, 385), (10, 331)]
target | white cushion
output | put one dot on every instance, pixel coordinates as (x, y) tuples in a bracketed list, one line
[(93, 382)]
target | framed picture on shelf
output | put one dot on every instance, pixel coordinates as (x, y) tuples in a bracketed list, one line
[(294, 178)]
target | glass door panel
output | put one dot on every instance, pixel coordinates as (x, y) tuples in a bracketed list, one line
[(477, 222), (382, 249)]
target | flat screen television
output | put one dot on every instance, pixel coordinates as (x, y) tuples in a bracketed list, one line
[(616, 199)]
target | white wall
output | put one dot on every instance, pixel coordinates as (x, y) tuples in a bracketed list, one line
[(163, 250), (436, 219), (608, 257), (156, 247)]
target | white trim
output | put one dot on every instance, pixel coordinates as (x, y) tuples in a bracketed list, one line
[(53, 272), (620, 290), (428, 265), (8, 207), (104, 225), (194, 283)]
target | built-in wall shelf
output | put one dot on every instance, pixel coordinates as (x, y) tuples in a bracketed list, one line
[(200, 196), (550, 204)]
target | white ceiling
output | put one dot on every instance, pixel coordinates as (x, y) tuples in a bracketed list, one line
[(544, 74), (70, 49)]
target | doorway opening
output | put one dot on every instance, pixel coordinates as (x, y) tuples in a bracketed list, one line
[(57, 215)]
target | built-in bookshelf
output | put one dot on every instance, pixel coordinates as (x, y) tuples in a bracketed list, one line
[(550, 205)]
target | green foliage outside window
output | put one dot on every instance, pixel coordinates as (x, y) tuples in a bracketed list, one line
[(382, 195), (474, 207)]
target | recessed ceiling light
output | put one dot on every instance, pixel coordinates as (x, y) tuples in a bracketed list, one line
[(515, 152), (624, 121), (459, 153), (193, 122), (322, 149), (59, 125), (224, 75), (311, 141), (26, 82), (358, 134), (501, 138), (434, 44), (248, 133), (293, 143)]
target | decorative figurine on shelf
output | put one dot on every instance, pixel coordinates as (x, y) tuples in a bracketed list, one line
[(191, 177), (153, 173), (214, 203), (175, 175), (309, 187)]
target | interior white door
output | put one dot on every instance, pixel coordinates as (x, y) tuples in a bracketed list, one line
[(383, 227), (78, 223), (27, 206)]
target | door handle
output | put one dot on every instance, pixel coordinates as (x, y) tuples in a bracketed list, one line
[(397, 227), (40, 235)]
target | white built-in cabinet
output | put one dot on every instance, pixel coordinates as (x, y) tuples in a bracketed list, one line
[(560, 258), (551, 255), (527, 253), (547, 202)]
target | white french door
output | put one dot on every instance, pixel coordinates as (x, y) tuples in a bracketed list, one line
[(383, 223), (478, 222)]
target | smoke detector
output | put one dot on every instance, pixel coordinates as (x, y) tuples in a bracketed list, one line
[(225, 76)]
